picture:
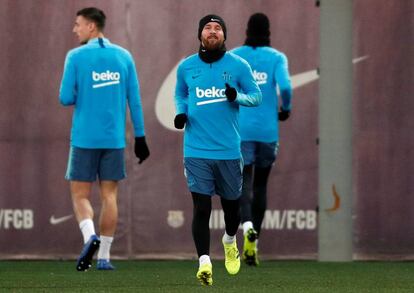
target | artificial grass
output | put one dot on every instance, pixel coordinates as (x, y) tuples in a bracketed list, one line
[(179, 276)]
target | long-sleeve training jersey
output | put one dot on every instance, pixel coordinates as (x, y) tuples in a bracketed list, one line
[(270, 70), (212, 128), (99, 79)]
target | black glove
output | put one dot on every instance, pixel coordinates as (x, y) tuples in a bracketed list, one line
[(283, 114), (230, 93), (180, 120), (141, 149)]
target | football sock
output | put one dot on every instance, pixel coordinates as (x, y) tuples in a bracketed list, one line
[(87, 228), (105, 247), (204, 259), (246, 226), (228, 239)]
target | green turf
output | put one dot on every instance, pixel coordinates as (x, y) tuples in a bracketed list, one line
[(179, 276)]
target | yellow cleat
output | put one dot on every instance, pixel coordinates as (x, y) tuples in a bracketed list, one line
[(205, 274), (232, 258), (250, 248)]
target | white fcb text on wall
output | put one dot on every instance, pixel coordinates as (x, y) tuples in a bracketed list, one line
[(16, 219), (275, 220)]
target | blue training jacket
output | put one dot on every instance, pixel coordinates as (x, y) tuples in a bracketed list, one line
[(270, 70), (212, 128), (99, 79)]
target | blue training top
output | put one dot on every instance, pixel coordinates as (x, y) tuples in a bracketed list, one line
[(270, 70), (99, 78), (212, 128)]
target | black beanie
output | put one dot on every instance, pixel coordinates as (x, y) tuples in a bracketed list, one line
[(258, 31), (258, 26), (211, 18)]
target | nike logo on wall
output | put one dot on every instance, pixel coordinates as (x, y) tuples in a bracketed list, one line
[(301, 79), (164, 103), (56, 221)]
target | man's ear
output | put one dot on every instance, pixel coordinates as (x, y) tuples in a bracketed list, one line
[(91, 26)]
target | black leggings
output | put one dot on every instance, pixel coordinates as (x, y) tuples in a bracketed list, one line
[(254, 184), (201, 218)]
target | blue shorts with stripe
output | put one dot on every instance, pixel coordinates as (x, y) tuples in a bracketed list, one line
[(88, 164), (260, 154), (209, 176)]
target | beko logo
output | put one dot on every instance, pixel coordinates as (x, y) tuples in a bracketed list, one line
[(210, 93), (213, 92), (260, 77), (108, 78)]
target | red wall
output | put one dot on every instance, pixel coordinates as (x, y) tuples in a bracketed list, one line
[(155, 206)]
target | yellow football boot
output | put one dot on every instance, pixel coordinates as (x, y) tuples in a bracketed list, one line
[(205, 274), (232, 258)]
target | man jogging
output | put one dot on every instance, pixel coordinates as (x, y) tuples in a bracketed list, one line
[(211, 85), (99, 80), (259, 127)]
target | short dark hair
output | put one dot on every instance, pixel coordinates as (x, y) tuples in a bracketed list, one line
[(93, 14)]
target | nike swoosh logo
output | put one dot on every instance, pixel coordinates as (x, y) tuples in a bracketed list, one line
[(304, 78), (56, 221), (164, 103)]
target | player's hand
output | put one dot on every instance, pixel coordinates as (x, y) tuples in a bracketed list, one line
[(230, 93), (180, 120), (283, 114), (141, 149)]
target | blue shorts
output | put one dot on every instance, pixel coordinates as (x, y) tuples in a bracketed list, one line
[(87, 164), (260, 154), (209, 177)]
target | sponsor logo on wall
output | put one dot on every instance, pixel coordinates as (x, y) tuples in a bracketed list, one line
[(275, 220), (16, 219), (175, 218), (59, 220)]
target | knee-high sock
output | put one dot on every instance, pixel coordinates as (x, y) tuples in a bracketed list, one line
[(246, 197), (231, 210), (259, 202), (105, 247), (87, 228), (200, 225)]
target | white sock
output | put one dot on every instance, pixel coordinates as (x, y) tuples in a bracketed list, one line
[(204, 259), (87, 228), (228, 239), (105, 247), (246, 226)]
